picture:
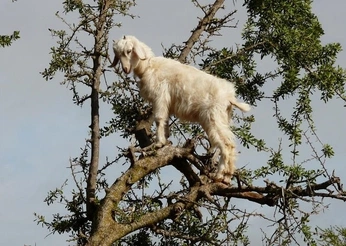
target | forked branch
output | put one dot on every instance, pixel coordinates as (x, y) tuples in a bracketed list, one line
[(269, 194)]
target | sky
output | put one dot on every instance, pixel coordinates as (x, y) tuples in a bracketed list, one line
[(40, 128)]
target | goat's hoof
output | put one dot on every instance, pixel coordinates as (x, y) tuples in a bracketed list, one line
[(225, 179), (204, 179), (158, 145)]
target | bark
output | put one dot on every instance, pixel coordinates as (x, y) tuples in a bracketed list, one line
[(95, 117), (108, 230)]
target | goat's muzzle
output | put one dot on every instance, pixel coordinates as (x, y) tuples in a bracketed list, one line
[(127, 70)]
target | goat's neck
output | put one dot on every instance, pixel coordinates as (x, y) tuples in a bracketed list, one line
[(141, 67)]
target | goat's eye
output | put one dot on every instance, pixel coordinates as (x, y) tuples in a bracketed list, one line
[(128, 51)]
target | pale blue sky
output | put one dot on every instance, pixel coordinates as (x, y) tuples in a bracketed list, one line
[(41, 129)]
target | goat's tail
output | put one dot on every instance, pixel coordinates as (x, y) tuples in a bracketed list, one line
[(242, 106)]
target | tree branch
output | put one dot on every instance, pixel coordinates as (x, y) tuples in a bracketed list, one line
[(203, 23), (239, 52), (269, 194), (95, 117)]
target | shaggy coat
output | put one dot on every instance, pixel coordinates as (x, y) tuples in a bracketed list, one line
[(186, 92)]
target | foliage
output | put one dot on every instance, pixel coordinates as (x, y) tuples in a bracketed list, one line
[(140, 206), (6, 40), (333, 236)]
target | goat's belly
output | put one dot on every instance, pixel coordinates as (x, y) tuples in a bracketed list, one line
[(186, 114)]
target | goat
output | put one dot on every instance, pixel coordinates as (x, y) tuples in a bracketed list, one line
[(186, 92)]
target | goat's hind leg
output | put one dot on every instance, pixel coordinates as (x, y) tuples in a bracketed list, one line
[(226, 165), (221, 136)]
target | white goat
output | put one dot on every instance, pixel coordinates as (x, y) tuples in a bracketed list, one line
[(186, 92)]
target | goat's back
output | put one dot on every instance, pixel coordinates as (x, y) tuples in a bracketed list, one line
[(188, 92)]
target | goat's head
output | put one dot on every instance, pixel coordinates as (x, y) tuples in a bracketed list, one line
[(129, 51)]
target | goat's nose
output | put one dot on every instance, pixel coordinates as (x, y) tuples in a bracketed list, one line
[(126, 69)]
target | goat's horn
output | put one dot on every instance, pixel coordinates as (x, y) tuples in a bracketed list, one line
[(115, 61)]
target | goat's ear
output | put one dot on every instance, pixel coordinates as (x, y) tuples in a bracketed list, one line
[(140, 51), (115, 61)]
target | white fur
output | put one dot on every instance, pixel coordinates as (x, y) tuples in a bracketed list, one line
[(186, 92)]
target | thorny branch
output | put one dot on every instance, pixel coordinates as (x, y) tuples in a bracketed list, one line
[(239, 52), (270, 194), (201, 27)]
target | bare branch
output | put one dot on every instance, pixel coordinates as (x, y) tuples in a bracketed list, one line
[(202, 25)]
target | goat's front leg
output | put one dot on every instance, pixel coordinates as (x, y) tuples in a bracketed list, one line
[(161, 117), (161, 135), (161, 132)]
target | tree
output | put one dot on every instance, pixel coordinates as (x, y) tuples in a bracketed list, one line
[(6, 40), (138, 207)]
